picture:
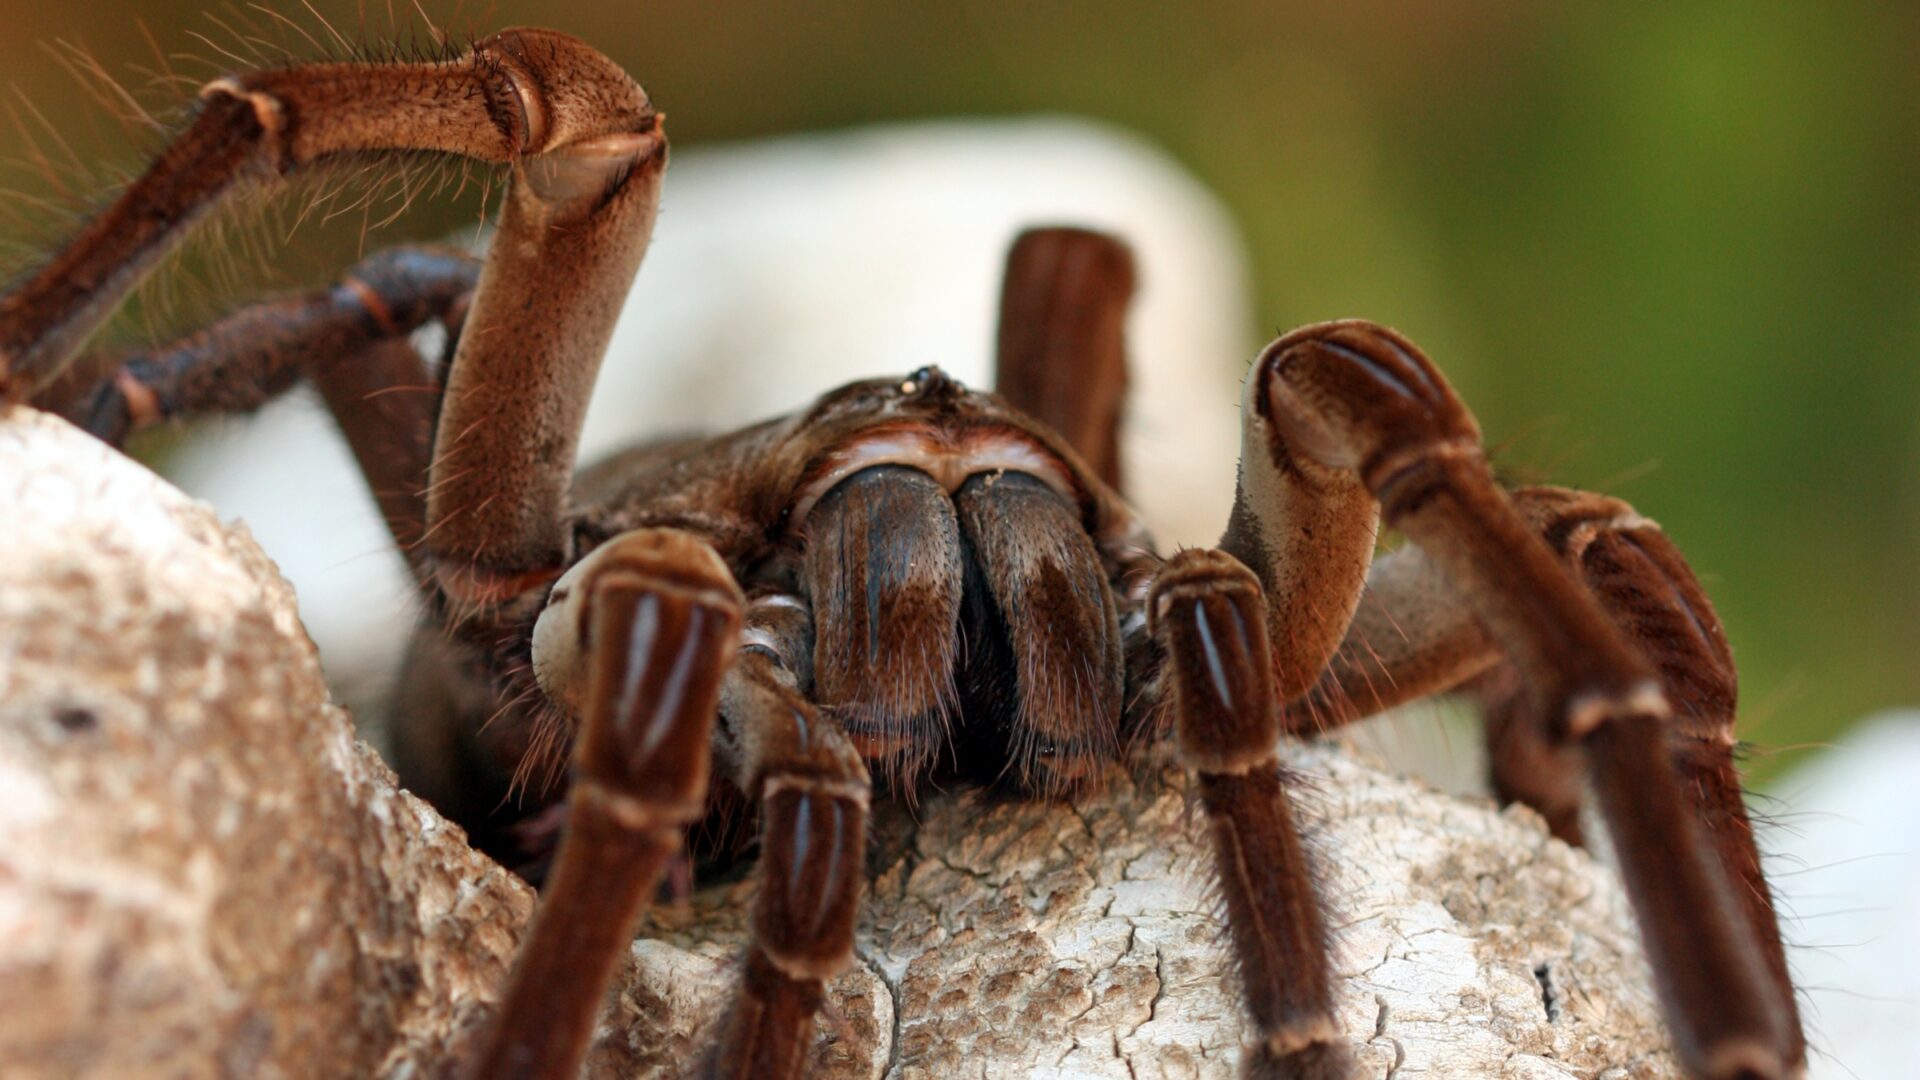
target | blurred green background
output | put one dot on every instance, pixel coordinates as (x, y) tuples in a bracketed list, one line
[(1670, 251)]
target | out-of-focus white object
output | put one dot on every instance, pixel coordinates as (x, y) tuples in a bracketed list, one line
[(779, 270), (1844, 859)]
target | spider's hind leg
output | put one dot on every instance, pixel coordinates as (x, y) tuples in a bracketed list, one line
[(1645, 584), (1415, 635), (1061, 355), (349, 340)]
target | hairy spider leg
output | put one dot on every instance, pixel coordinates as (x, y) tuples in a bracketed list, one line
[(1359, 398), (1414, 636), (656, 620), (586, 151), (1208, 612), (1061, 355)]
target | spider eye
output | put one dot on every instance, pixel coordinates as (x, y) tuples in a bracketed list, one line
[(931, 383)]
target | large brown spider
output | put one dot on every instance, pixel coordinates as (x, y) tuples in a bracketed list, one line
[(916, 578)]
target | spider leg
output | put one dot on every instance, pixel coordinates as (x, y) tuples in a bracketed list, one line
[(250, 357), (1359, 399), (586, 151), (1645, 584), (1062, 342), (1413, 636), (350, 341), (1233, 633), (1208, 612), (642, 636), (812, 789)]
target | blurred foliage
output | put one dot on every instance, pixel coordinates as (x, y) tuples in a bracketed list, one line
[(1667, 250)]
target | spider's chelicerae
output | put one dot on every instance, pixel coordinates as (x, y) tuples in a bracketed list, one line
[(914, 580)]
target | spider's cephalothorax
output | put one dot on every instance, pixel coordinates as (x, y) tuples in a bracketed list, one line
[(912, 578), (956, 559), (941, 573)]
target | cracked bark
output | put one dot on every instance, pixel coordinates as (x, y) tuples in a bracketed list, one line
[(203, 873)]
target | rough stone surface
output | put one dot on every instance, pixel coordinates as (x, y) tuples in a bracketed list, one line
[(203, 873)]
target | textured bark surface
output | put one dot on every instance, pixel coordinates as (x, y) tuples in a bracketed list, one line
[(202, 872)]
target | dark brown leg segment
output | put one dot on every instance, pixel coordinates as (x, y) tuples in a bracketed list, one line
[(246, 359), (658, 623), (1643, 581), (1062, 349), (813, 790), (1208, 612), (1357, 397)]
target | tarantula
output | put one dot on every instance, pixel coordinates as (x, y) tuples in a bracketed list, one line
[(911, 578)]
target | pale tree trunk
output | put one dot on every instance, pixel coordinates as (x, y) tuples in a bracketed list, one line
[(202, 872)]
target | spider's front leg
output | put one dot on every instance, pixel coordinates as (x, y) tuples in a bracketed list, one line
[(587, 153), (639, 641), (1244, 629), (1209, 614), (636, 641), (658, 612), (812, 789), (1354, 403)]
